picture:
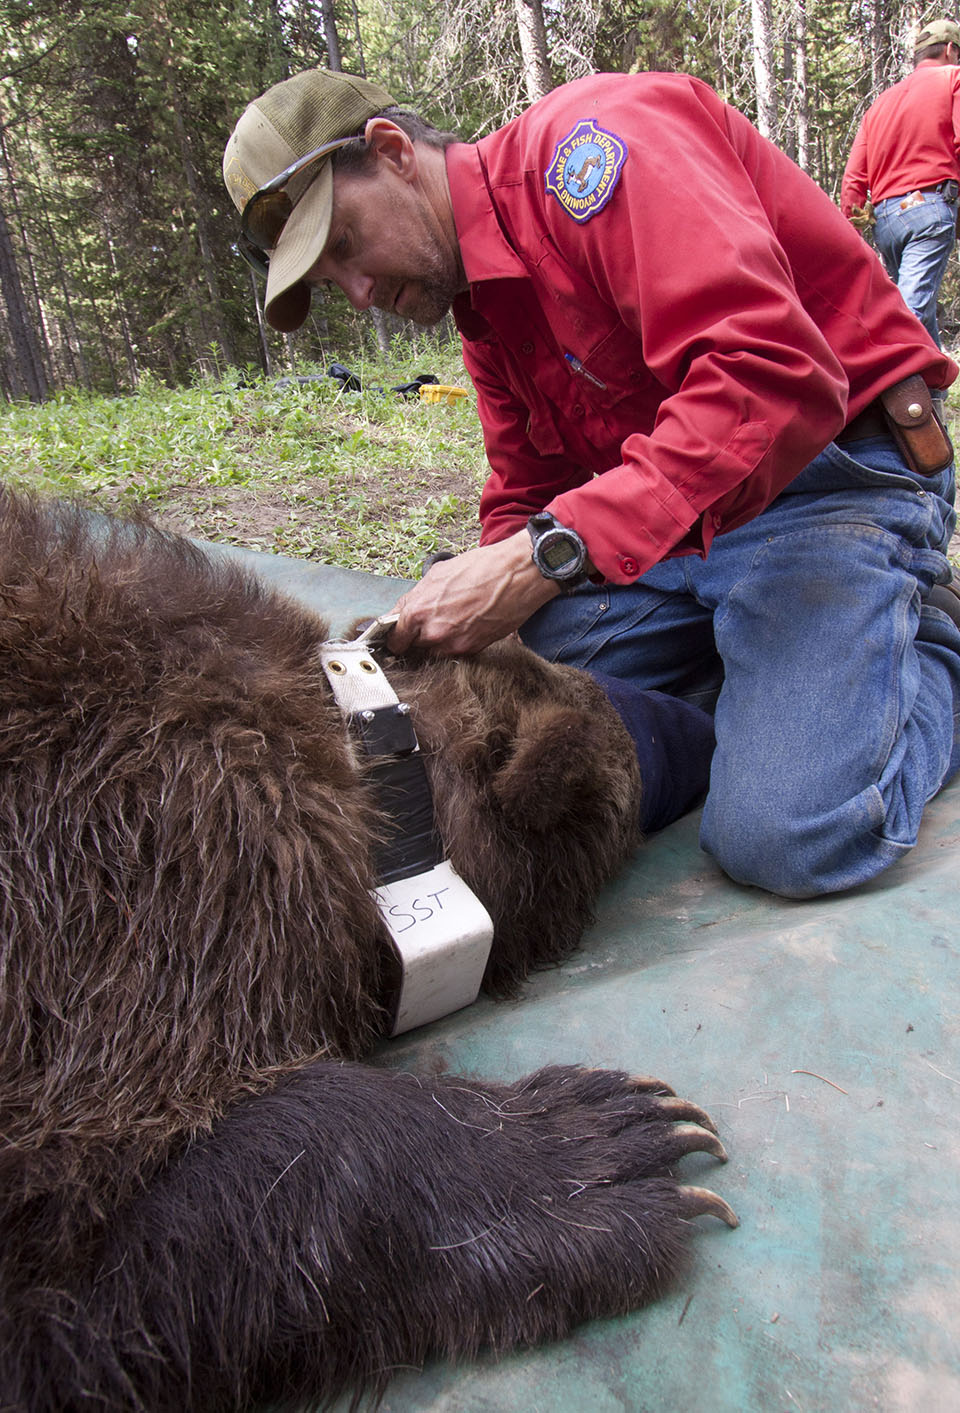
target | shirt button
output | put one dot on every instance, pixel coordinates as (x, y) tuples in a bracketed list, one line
[(577, 409), (526, 346), (716, 521), (629, 566)]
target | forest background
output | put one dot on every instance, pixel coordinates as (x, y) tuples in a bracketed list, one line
[(116, 235)]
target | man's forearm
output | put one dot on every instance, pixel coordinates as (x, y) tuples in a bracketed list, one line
[(466, 603)]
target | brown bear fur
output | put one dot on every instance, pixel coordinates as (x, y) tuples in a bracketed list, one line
[(189, 951)]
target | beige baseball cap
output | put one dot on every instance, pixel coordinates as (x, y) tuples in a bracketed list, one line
[(937, 32), (286, 123)]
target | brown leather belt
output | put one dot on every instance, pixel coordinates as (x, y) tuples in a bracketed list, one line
[(905, 412), (869, 423)]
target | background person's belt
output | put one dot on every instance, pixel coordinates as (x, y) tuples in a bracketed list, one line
[(947, 189)]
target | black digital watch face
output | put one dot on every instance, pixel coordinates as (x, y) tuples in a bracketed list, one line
[(557, 552)]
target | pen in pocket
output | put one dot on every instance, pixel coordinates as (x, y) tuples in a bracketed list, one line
[(578, 367)]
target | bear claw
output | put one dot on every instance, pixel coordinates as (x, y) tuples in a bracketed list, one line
[(691, 1138), (701, 1202), (674, 1108), (645, 1083)]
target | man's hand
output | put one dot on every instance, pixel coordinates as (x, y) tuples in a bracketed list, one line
[(466, 603)]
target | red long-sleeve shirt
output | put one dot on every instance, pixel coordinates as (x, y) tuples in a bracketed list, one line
[(908, 139), (724, 319)]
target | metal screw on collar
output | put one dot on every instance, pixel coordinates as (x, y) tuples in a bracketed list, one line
[(914, 410)]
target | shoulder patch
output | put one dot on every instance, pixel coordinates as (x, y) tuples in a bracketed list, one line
[(585, 168)]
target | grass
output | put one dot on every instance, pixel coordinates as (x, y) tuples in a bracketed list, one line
[(368, 480)]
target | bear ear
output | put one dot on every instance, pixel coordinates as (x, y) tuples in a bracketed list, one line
[(559, 766)]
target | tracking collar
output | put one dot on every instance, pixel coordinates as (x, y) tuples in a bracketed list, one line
[(440, 930)]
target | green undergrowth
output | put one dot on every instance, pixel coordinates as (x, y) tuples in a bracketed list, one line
[(368, 480)]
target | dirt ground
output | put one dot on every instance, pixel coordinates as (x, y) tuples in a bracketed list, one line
[(248, 517), (251, 516)]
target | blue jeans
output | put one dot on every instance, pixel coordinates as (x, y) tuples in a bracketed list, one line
[(916, 245), (836, 688)]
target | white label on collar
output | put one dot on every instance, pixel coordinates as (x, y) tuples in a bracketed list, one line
[(443, 934)]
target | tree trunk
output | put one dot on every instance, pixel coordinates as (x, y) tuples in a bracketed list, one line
[(32, 321), (788, 127), (11, 383), (875, 45), (26, 352), (207, 262), (128, 348), (334, 61), (801, 94), (92, 302), (264, 345), (361, 61), (763, 68), (73, 342), (381, 330), (537, 78)]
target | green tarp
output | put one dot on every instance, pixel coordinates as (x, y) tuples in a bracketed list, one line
[(824, 1037)]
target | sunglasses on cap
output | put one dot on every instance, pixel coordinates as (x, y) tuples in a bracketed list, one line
[(269, 209)]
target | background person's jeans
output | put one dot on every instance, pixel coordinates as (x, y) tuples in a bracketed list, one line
[(837, 690), (916, 245)]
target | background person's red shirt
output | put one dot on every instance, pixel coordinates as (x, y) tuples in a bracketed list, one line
[(908, 139)]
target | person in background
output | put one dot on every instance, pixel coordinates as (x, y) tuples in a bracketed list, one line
[(902, 174), (715, 471)]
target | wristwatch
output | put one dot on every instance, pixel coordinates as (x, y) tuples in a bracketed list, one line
[(558, 552)]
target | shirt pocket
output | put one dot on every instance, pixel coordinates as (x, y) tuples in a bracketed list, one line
[(616, 362)]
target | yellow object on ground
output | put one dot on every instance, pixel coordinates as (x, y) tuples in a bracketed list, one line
[(441, 392)]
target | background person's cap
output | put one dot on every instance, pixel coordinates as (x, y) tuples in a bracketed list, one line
[(937, 32), (289, 120)]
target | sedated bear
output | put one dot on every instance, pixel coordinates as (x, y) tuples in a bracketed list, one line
[(206, 1200)]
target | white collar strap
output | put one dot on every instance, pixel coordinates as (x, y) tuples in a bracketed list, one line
[(440, 929)]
